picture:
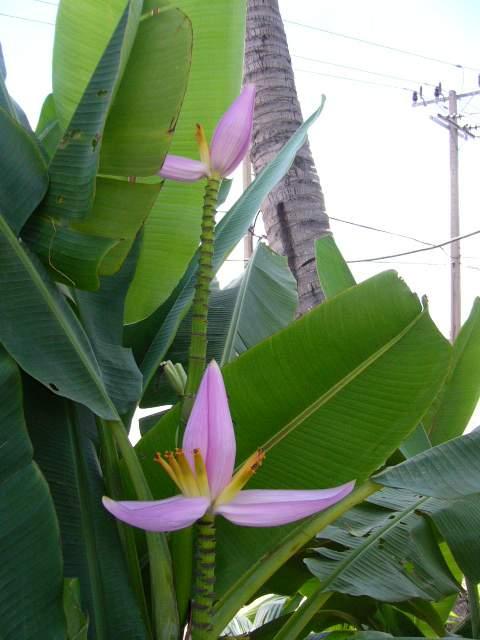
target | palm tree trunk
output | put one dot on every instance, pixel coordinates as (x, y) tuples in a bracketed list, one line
[(294, 212)]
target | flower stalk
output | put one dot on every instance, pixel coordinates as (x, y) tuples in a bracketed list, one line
[(198, 344), (203, 596)]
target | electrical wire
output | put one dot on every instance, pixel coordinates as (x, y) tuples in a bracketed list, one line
[(390, 233), (52, 4), (380, 45), (8, 15), (408, 253), (360, 70), (375, 84)]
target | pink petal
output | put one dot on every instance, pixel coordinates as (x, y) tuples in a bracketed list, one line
[(183, 169), (159, 515), (231, 138), (210, 429), (257, 508)]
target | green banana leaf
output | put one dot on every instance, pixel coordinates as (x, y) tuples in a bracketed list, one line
[(389, 555), (23, 171), (82, 32), (101, 313), (172, 230), (458, 522), (450, 414), (333, 272), (42, 333), (253, 307), (228, 233), (87, 225), (335, 276), (266, 302), (31, 582), (328, 399), (143, 117), (64, 436), (447, 471)]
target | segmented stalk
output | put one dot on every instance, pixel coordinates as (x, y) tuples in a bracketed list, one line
[(203, 596), (198, 345)]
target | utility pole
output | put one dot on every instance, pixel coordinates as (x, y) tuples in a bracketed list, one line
[(455, 267), (451, 122)]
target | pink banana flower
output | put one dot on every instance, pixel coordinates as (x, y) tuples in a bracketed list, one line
[(229, 145), (203, 472)]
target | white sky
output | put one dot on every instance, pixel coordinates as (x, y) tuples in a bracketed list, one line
[(381, 162)]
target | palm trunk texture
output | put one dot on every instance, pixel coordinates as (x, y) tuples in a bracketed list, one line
[(294, 213)]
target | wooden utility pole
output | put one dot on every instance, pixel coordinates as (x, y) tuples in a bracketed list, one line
[(455, 267), (451, 122)]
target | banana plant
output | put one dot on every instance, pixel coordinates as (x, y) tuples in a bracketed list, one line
[(109, 248)]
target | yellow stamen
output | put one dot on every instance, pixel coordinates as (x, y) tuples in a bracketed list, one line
[(169, 457), (243, 475), (201, 473), (202, 144), (188, 476), (168, 469)]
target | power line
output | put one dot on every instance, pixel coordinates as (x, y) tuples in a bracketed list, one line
[(390, 233), (407, 253), (373, 73), (375, 84), (52, 4), (380, 45), (8, 15)]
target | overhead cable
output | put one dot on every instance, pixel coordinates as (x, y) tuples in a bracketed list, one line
[(408, 253), (380, 45)]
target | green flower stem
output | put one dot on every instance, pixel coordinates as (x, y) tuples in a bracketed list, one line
[(266, 566), (198, 344), (203, 596), (182, 542), (302, 616), (114, 485), (164, 605), (472, 591)]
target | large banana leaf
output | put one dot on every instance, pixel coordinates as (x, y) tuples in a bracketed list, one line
[(228, 233), (87, 225), (389, 555), (23, 171), (450, 473), (253, 307), (450, 414), (142, 120), (458, 521), (328, 399), (40, 330), (65, 441), (266, 302), (173, 228), (73, 168), (447, 471), (101, 313), (82, 33), (31, 581), (335, 276), (73, 171)]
